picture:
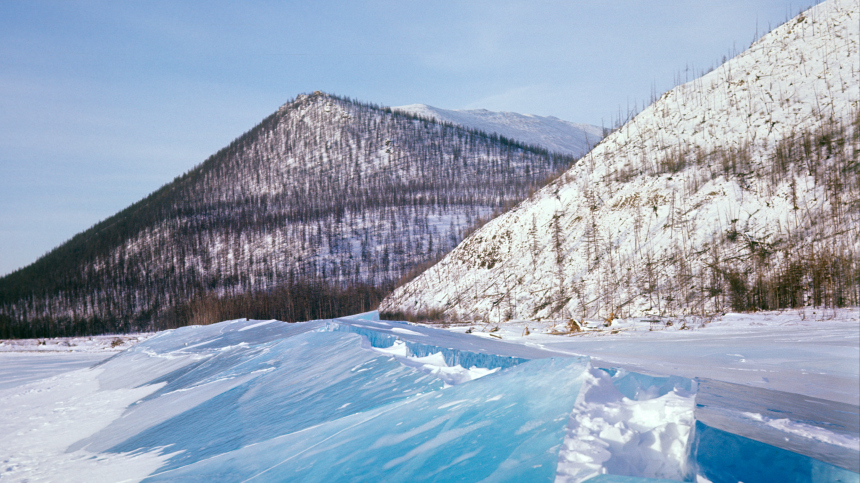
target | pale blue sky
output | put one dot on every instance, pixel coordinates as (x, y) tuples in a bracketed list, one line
[(103, 102)]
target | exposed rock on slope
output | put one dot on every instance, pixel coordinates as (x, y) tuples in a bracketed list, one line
[(549, 132), (324, 191), (737, 190)]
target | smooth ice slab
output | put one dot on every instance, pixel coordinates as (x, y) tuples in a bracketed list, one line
[(225, 394), (321, 400), (824, 430), (723, 457), (507, 426)]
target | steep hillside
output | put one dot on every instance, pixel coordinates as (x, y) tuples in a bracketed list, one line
[(549, 132), (325, 194), (739, 190)]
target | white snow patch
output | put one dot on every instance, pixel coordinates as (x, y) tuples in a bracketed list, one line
[(399, 349), (550, 132), (42, 419), (610, 434)]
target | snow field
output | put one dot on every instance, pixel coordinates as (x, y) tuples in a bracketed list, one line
[(23, 368), (42, 419), (88, 344), (550, 132)]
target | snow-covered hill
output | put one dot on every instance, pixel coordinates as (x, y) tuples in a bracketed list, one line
[(550, 132), (738, 189), (324, 193)]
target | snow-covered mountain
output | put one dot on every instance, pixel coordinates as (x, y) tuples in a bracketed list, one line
[(740, 189), (550, 132), (323, 195)]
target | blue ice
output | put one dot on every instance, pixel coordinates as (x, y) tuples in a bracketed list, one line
[(271, 401), (275, 401), (504, 427)]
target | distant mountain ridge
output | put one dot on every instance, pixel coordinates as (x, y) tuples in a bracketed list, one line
[(549, 132), (739, 190), (323, 195)]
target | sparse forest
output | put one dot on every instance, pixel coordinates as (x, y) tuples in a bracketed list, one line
[(801, 251), (736, 191), (315, 212)]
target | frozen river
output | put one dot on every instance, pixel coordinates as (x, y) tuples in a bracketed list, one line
[(17, 368), (762, 397)]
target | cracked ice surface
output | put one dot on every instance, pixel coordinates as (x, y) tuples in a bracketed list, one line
[(243, 399), (368, 400)]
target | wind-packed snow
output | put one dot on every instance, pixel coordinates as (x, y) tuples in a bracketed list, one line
[(40, 421), (23, 368), (634, 434), (360, 399), (550, 132), (27, 360)]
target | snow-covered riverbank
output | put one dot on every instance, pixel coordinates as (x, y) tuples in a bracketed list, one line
[(815, 352), (90, 344)]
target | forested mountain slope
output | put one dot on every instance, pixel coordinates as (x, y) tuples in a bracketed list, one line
[(547, 131), (323, 195), (738, 190)]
